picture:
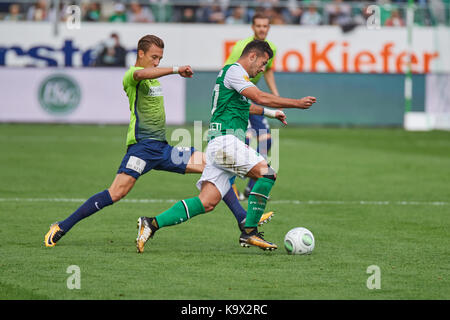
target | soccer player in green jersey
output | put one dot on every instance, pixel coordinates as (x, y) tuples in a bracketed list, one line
[(258, 125), (147, 147), (227, 155), (260, 27)]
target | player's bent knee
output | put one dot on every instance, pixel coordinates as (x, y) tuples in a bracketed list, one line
[(209, 205), (121, 186), (118, 192), (271, 174), (117, 195)]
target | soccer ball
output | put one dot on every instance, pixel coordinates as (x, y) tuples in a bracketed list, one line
[(299, 241)]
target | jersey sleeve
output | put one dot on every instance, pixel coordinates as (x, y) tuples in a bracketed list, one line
[(128, 79), (237, 79)]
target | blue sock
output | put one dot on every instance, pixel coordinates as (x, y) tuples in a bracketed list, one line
[(232, 202), (91, 206), (250, 184), (263, 148)]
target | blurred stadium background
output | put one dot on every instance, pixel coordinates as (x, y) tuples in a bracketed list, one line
[(352, 55)]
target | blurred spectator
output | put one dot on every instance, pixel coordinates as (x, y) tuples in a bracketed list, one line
[(164, 10), (267, 4), (277, 16), (139, 14), (14, 13), (119, 13), (294, 12), (437, 8), (188, 15), (361, 17), (57, 13), (111, 53), (311, 17), (93, 12), (339, 13), (395, 20), (38, 11), (237, 16), (216, 15), (278, 13)]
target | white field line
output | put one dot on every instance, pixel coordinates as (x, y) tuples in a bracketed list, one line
[(292, 202)]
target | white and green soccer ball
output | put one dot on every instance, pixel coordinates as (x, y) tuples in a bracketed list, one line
[(299, 241)]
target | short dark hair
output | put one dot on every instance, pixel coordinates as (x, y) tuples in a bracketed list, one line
[(146, 42), (259, 15), (258, 46)]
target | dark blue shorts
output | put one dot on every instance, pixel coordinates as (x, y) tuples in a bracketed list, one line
[(151, 154), (259, 124)]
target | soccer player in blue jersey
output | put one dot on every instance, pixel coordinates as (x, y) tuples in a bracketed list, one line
[(147, 147)]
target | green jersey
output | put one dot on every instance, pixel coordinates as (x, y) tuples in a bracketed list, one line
[(148, 118), (237, 51), (230, 110)]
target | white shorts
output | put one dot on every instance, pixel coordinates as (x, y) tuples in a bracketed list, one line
[(226, 157)]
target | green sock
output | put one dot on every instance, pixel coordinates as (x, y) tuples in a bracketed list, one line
[(180, 212), (257, 201)]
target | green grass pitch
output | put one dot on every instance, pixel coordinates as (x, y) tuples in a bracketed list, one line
[(370, 196)]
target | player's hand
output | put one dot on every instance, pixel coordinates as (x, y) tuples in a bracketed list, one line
[(306, 102), (186, 71), (281, 117)]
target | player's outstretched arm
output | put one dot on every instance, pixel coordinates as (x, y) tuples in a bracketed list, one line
[(157, 72), (270, 100), (276, 114)]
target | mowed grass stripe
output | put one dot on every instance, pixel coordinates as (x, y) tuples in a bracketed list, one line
[(293, 202)]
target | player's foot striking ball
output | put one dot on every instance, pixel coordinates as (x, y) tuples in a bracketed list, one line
[(254, 238)]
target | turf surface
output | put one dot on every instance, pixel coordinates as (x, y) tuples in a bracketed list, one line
[(370, 196)]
